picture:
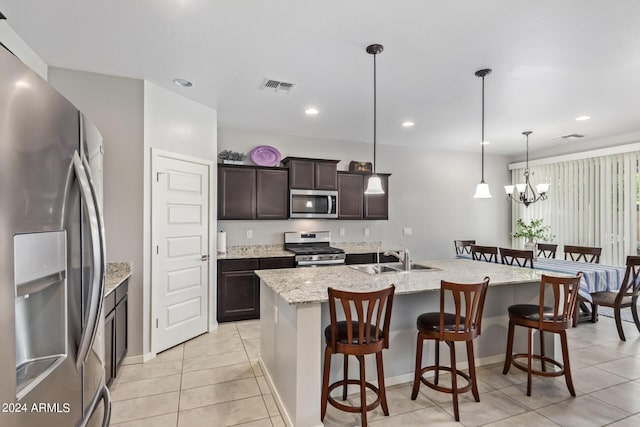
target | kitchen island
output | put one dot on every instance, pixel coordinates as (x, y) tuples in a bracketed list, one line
[(294, 313)]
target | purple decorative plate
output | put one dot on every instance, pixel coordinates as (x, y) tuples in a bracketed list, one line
[(265, 155)]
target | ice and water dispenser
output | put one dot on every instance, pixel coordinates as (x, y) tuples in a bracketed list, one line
[(41, 310)]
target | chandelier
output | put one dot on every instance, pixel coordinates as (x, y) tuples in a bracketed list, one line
[(524, 193)]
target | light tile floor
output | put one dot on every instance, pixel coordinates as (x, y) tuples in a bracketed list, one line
[(215, 380)]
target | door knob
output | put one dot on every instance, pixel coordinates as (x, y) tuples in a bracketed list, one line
[(204, 258)]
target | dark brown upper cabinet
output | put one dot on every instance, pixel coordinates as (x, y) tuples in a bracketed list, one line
[(247, 192), (354, 204), (350, 196), (312, 174), (272, 201)]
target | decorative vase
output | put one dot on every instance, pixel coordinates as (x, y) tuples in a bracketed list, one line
[(530, 245)]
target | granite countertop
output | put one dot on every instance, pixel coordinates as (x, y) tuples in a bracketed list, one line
[(117, 272), (309, 285), (275, 251), (254, 251)]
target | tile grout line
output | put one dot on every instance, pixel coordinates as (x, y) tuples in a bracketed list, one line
[(180, 389)]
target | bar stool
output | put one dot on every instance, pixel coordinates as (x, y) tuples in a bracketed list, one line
[(556, 319), (463, 325), (358, 335)]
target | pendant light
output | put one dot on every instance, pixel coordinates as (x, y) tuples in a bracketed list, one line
[(374, 184), (525, 193), (482, 189)]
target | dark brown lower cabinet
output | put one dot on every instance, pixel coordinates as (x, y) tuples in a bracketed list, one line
[(116, 340), (368, 258), (239, 287)]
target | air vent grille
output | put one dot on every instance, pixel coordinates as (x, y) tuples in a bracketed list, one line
[(276, 85), (572, 136)]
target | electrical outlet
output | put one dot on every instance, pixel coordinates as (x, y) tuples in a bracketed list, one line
[(342, 232), (407, 231), (275, 313), (366, 231), (249, 234)]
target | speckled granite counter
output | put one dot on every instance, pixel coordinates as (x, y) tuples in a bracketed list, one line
[(117, 272), (275, 251), (309, 285), (359, 247), (254, 251)]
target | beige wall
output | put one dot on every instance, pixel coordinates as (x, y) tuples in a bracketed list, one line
[(430, 192), (115, 106)]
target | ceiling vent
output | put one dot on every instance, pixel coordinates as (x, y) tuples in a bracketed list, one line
[(572, 136), (276, 86)]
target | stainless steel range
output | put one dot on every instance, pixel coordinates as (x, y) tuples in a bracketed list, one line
[(313, 249)]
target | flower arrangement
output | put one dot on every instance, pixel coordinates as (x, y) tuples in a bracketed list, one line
[(535, 230), (232, 157)]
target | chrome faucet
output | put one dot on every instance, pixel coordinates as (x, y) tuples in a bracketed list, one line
[(405, 258)]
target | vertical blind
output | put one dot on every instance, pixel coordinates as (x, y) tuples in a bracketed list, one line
[(591, 202)]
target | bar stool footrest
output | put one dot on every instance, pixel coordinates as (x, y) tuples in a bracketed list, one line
[(537, 371), (349, 408), (441, 388)]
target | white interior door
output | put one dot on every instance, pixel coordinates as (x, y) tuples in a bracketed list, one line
[(180, 248)]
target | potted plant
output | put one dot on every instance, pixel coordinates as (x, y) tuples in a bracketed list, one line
[(231, 157), (532, 232)]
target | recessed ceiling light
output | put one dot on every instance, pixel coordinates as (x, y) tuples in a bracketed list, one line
[(182, 82), (407, 124), (22, 83), (311, 111), (582, 118)]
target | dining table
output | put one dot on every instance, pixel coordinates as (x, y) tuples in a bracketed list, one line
[(595, 277)]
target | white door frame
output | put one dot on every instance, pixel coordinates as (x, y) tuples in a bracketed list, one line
[(211, 297)]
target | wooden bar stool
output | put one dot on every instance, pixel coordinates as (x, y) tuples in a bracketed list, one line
[(556, 319), (365, 331), (463, 325)]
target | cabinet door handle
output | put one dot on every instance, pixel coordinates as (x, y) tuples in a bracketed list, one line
[(204, 258)]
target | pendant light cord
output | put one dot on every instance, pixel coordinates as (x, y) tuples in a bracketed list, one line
[(482, 142), (374, 113)]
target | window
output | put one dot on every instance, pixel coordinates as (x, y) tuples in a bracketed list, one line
[(592, 202)]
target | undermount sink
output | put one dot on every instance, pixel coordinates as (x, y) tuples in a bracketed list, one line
[(389, 267)]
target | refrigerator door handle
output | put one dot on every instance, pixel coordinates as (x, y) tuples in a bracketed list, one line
[(97, 285), (106, 398)]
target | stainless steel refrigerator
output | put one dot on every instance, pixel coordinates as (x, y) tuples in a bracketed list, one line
[(52, 258)]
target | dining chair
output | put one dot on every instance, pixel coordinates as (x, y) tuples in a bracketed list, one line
[(365, 331), (556, 318), (516, 256), (463, 325), (547, 250), (583, 253), (589, 254), (484, 253), (625, 297), (463, 246)]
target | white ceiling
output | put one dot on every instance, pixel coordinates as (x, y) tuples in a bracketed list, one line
[(552, 61)]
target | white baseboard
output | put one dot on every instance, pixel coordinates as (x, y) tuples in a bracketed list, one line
[(141, 358)]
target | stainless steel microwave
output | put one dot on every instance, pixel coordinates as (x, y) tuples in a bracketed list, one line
[(313, 204)]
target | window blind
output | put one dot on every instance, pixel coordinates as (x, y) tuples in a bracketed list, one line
[(592, 202)]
